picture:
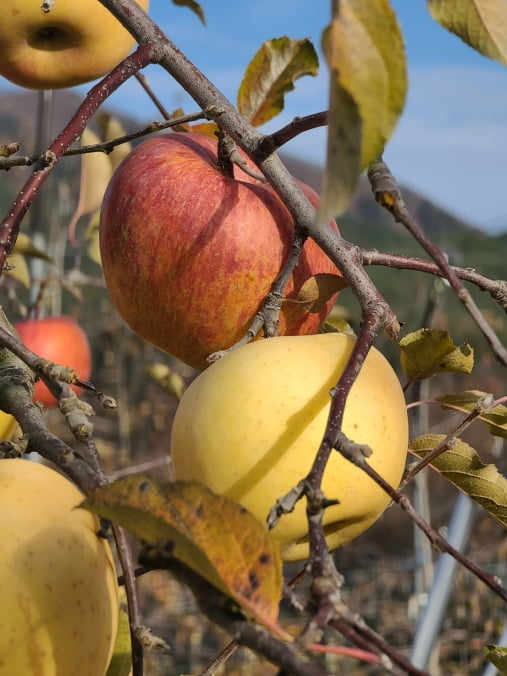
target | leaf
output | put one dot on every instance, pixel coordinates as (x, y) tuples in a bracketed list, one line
[(212, 535), (168, 379), (429, 351), (497, 656), (24, 245), (482, 24), (110, 129), (121, 661), (495, 418), (364, 50), (205, 128), (463, 467), (194, 6), (338, 322), (92, 237), (271, 74), (96, 170), (18, 270), (317, 290)]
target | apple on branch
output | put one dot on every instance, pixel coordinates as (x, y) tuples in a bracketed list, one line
[(250, 425), (189, 254), (74, 42)]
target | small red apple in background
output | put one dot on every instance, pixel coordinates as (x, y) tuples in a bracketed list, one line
[(189, 254), (59, 339)]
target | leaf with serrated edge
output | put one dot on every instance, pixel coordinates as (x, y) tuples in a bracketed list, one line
[(271, 74), (427, 352), (482, 24), (214, 536), (364, 51), (495, 419), (463, 467)]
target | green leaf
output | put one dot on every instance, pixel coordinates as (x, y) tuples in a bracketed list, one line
[(427, 352), (495, 419), (364, 50), (194, 6), (497, 656), (271, 74), (463, 467), (482, 24)]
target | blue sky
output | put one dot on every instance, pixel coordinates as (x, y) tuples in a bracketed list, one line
[(451, 142)]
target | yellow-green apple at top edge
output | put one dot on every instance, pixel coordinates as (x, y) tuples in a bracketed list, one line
[(189, 254), (75, 42), (250, 425), (58, 588)]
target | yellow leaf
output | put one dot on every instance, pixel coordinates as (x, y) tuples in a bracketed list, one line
[(17, 269), (364, 51), (92, 238), (429, 351), (271, 74), (206, 128), (96, 170), (110, 129), (168, 379), (317, 290), (214, 536), (482, 24), (121, 661), (25, 246), (463, 467)]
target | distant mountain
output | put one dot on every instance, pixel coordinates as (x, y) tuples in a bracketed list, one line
[(365, 223)]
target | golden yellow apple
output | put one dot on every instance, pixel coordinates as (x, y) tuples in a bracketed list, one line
[(58, 592), (75, 42), (250, 425), (8, 425)]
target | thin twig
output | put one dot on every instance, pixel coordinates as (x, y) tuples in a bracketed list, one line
[(388, 195), (9, 227), (129, 580), (158, 103)]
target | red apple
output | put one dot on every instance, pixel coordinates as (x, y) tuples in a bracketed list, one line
[(189, 253), (59, 339)]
